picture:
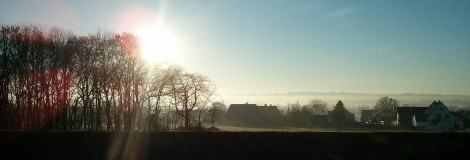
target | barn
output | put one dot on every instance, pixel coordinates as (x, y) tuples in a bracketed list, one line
[(252, 115)]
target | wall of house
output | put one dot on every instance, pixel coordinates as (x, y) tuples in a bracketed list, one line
[(447, 121)]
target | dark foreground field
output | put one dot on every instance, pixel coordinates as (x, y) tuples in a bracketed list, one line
[(231, 145)]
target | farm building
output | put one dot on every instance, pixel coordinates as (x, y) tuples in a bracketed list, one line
[(377, 117), (252, 115), (434, 117), (368, 116), (348, 117)]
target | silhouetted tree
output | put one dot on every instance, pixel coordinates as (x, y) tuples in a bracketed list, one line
[(386, 104), (52, 79), (215, 112), (305, 116), (338, 113), (160, 93), (317, 107), (293, 110), (190, 91), (300, 115)]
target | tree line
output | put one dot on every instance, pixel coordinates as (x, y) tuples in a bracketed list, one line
[(53, 79), (314, 112), (307, 115)]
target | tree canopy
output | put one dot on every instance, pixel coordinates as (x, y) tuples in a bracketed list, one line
[(338, 113), (317, 106), (386, 104)]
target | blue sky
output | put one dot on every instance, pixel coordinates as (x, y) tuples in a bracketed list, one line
[(288, 46)]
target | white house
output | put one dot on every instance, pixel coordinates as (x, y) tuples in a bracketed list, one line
[(434, 117)]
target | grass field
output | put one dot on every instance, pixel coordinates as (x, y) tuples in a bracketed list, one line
[(232, 145), (284, 129), (331, 129)]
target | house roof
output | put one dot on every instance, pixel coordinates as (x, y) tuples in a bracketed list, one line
[(386, 113), (269, 111), (434, 105), (349, 117), (245, 111), (251, 112), (423, 114), (408, 112), (367, 115), (368, 112), (346, 112)]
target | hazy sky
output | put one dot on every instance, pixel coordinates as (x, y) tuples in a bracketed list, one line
[(268, 46)]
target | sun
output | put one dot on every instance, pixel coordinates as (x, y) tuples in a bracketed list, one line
[(158, 46)]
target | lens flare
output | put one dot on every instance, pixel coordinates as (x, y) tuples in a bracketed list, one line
[(158, 46)]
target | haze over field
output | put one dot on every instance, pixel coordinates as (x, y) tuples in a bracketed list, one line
[(350, 99), (354, 102), (257, 47)]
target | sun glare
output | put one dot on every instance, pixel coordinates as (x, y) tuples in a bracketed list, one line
[(158, 46)]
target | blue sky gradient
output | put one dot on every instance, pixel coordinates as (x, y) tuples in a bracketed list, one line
[(293, 46)]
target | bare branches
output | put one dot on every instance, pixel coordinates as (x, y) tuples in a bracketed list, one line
[(52, 79), (386, 104)]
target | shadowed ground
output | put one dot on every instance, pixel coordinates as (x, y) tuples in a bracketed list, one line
[(231, 145)]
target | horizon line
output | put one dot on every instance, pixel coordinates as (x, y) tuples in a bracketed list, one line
[(310, 92)]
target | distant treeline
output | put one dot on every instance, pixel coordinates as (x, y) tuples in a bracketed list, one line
[(53, 79)]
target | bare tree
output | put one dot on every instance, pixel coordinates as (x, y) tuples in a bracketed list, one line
[(52, 79), (215, 112), (293, 110), (157, 94), (190, 91), (317, 107), (386, 104)]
